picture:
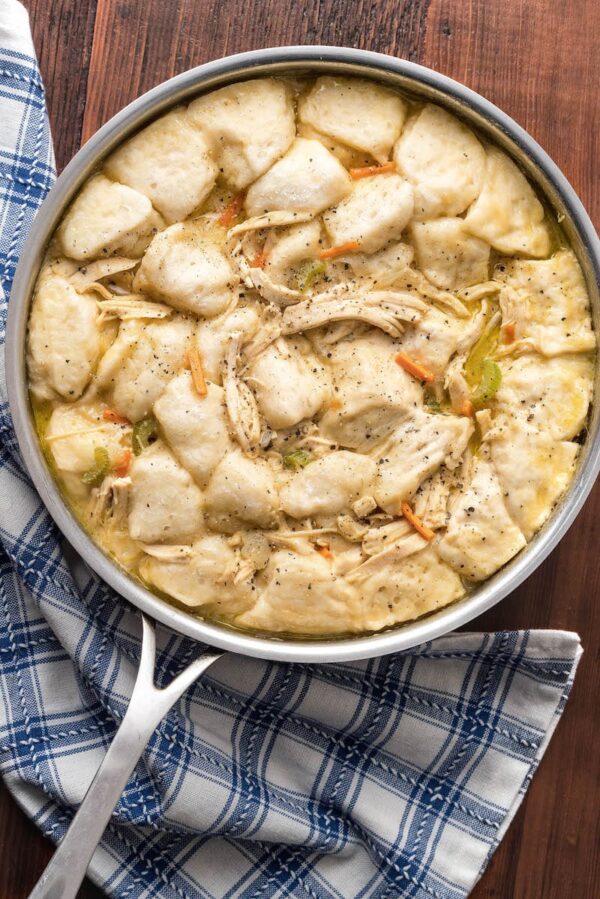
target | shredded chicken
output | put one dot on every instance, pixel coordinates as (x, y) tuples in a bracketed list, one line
[(86, 276), (168, 552), (384, 309), (395, 552), (239, 399), (109, 502), (131, 306), (376, 539)]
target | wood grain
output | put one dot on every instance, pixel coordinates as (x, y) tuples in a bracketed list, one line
[(536, 59)]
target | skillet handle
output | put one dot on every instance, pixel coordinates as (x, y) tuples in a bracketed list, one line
[(65, 871)]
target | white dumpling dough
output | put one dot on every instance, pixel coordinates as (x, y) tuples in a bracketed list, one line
[(533, 469), (548, 302), (104, 218), (185, 269), (444, 161), (289, 385), (74, 432), (448, 255), (64, 338), (329, 485), (195, 427), (357, 113), (169, 163), (303, 596), (286, 247), (507, 213), (376, 212), (481, 536), (212, 337), (432, 341), (249, 126), (308, 179), (241, 491), (140, 363), (414, 452), (165, 505)]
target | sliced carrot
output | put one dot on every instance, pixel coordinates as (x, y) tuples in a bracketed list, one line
[(115, 418), (260, 260), (416, 522), (194, 363), (324, 551), (413, 368), (232, 210), (122, 464), (509, 330), (335, 404), (467, 408), (351, 246), (368, 170)]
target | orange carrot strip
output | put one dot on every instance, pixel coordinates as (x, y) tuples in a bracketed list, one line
[(413, 368), (416, 522), (260, 260), (369, 170), (232, 210), (509, 332), (350, 246), (194, 363), (324, 551), (467, 409), (115, 418), (122, 464)]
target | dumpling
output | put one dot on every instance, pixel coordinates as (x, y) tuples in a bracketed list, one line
[(288, 382), (241, 491), (448, 255), (185, 269), (64, 338), (75, 431), (432, 341), (212, 337), (533, 470), (548, 302), (165, 505), (481, 536), (308, 179), (360, 114), (303, 596), (138, 366), (329, 485), (103, 219), (249, 126), (507, 213), (444, 161), (371, 393), (205, 580), (407, 589), (285, 248), (553, 394), (195, 427), (414, 451), (376, 212), (169, 163)]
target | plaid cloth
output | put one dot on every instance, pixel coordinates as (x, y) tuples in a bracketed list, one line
[(392, 777)]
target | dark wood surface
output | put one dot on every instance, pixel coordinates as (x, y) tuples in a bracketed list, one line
[(537, 59)]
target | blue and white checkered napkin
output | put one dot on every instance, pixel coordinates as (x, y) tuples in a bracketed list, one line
[(386, 778)]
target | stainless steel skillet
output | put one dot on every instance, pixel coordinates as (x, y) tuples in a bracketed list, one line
[(423, 84)]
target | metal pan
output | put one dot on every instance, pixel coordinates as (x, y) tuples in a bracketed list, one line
[(148, 704)]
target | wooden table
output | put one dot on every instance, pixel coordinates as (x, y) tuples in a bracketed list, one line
[(537, 59)]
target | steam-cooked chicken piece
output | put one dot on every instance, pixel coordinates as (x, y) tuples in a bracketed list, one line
[(212, 337), (249, 126), (204, 580), (165, 505), (169, 162), (75, 431), (481, 536), (407, 589), (533, 470), (448, 255), (553, 394), (415, 451), (371, 393), (308, 179), (289, 383), (444, 161), (548, 302), (194, 426), (507, 214), (432, 341), (360, 114), (241, 491), (185, 269), (105, 218), (329, 485), (432, 495), (303, 596), (64, 338), (138, 366), (377, 211)]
